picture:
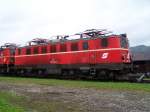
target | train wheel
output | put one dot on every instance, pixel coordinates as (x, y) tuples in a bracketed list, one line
[(77, 74), (71, 74), (112, 76), (102, 74), (64, 74), (39, 73)]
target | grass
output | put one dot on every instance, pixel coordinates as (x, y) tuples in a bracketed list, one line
[(79, 83), (11, 102), (51, 106), (6, 104)]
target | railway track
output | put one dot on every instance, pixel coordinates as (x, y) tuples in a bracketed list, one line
[(146, 81)]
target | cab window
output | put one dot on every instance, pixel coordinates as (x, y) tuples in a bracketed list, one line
[(53, 48), (74, 46), (104, 42), (123, 42), (35, 50), (28, 51), (19, 51), (63, 47), (44, 49), (85, 46)]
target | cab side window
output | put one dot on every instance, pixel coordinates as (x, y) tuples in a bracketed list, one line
[(85, 46), (28, 51), (104, 42), (74, 46), (35, 50), (12, 51), (44, 49), (63, 47), (53, 49), (19, 51), (123, 42)]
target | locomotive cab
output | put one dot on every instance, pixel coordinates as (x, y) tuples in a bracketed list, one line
[(7, 54), (124, 41), (126, 55)]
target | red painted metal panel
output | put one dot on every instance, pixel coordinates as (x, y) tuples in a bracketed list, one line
[(6, 57), (1, 57), (89, 57), (94, 55)]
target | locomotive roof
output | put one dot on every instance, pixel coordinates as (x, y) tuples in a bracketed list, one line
[(8, 45), (89, 34), (51, 42)]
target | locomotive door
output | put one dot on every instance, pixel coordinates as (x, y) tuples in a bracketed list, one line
[(92, 53), (12, 54), (92, 57)]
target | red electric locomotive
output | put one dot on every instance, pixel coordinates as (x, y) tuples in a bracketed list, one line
[(94, 54)]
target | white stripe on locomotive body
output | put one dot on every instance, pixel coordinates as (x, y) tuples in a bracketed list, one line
[(109, 49)]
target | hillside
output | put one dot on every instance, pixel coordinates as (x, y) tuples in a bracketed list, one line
[(140, 52)]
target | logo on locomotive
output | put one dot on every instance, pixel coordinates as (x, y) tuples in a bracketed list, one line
[(104, 55)]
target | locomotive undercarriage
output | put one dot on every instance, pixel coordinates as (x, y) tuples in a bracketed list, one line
[(76, 71)]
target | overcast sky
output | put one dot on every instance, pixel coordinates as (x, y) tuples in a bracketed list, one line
[(23, 20)]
